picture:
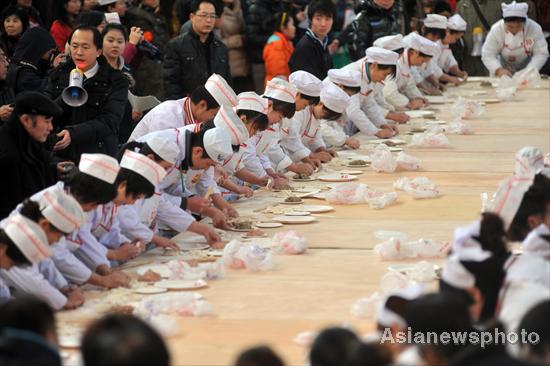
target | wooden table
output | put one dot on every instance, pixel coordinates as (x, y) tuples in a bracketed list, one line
[(315, 290)]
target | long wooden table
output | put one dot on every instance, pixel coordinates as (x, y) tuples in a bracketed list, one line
[(312, 291)]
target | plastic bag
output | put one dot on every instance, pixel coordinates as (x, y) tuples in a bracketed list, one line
[(506, 89), (393, 281), (467, 109), (528, 77), (394, 249), (459, 127), (427, 248), (419, 187), (358, 193), (290, 242), (202, 271), (383, 160), (428, 139), (379, 200), (422, 272), (251, 257), (366, 307), (407, 162), (187, 303), (397, 248)]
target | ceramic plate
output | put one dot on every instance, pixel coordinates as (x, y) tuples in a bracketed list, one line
[(291, 203), (337, 178), (267, 225), (396, 149), (351, 172), (474, 79), (298, 213), (437, 99), (438, 122), (309, 179), (294, 219), (149, 290), (396, 142), (489, 100), (305, 190), (239, 230), (419, 114), (181, 284), (162, 270), (358, 166), (317, 208)]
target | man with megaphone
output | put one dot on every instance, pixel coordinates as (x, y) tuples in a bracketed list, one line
[(92, 95)]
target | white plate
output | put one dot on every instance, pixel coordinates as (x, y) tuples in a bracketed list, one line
[(319, 196), (181, 284), (474, 79), (294, 219), (395, 149), (437, 99), (489, 100), (366, 158), (291, 203), (404, 267), (239, 230), (267, 225), (438, 122), (193, 246), (351, 172), (310, 179), (397, 141), (419, 114), (337, 178), (305, 190), (317, 208), (162, 270), (69, 341), (149, 290), (358, 166), (298, 213)]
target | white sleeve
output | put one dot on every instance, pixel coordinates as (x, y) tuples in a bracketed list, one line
[(332, 133), (277, 156), (540, 49), (50, 272), (359, 118), (29, 281), (291, 141), (173, 216), (91, 252), (173, 183), (251, 161), (372, 109), (206, 181), (5, 293), (410, 89), (434, 69), (392, 95), (68, 265), (418, 74), (114, 238), (130, 222), (493, 45), (379, 97), (317, 142)]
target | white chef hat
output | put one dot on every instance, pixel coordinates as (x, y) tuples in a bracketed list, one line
[(251, 101), (99, 166), (280, 89), (217, 143), (457, 23), (106, 2), (420, 43), (391, 43), (167, 149), (387, 316), (535, 244), (306, 83), (29, 237), (381, 56), (346, 77), (61, 210), (464, 237), (435, 21), (456, 275), (508, 198), (514, 10), (333, 97), (227, 119), (221, 91), (529, 161), (144, 166)]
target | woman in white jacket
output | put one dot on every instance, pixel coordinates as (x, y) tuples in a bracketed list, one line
[(514, 43)]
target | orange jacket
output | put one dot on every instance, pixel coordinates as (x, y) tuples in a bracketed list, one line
[(277, 52)]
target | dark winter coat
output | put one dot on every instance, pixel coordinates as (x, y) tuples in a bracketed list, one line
[(311, 56)]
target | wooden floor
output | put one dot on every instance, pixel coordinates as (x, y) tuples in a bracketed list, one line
[(315, 290)]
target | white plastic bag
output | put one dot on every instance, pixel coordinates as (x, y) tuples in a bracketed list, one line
[(428, 248), (394, 249), (419, 187), (379, 200), (407, 162), (202, 271), (428, 139), (251, 257), (290, 242), (467, 109), (506, 89), (358, 193), (397, 248), (393, 281), (422, 272), (383, 160), (528, 77), (187, 304), (459, 127)]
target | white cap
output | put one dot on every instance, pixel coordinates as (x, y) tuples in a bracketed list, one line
[(99, 166), (529, 161), (227, 119), (417, 42), (167, 149), (217, 143), (221, 91), (464, 237), (252, 102), (514, 10), (105, 2), (144, 166), (457, 23), (535, 244), (61, 210), (435, 21), (306, 83), (281, 90), (386, 316), (456, 275), (391, 43), (333, 97), (346, 77), (29, 237), (508, 198), (381, 56)]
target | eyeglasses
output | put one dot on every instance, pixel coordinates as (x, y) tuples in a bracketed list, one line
[(207, 16)]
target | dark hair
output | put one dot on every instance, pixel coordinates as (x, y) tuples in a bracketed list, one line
[(123, 340), (98, 40), (136, 184), (333, 347), (453, 32), (515, 19), (31, 210), (259, 356), (458, 293), (286, 108), (62, 12), (17, 11), (90, 17), (352, 89), (201, 93), (280, 20), (370, 354), (422, 54), (310, 99), (492, 234), (115, 26), (536, 320), (197, 138), (323, 7), (393, 68), (442, 6), (399, 50), (87, 189), (256, 119), (440, 33), (329, 114), (141, 147), (29, 314), (195, 5), (12, 251)]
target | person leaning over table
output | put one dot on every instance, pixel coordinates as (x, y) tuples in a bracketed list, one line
[(514, 43), (92, 127)]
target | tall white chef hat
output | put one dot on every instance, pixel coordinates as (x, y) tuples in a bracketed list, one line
[(391, 43), (420, 43), (29, 237), (456, 275), (281, 90), (251, 101), (167, 149), (227, 118), (61, 210), (381, 56), (217, 143), (345, 77), (391, 311), (144, 166), (535, 244), (529, 161), (333, 97), (508, 197), (435, 21), (514, 10), (457, 23), (221, 91), (99, 166), (306, 83)]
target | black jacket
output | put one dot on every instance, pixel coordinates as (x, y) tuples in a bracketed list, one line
[(22, 348), (24, 163), (189, 63), (371, 23), (93, 126), (258, 19), (28, 71), (310, 55), (6, 94)]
